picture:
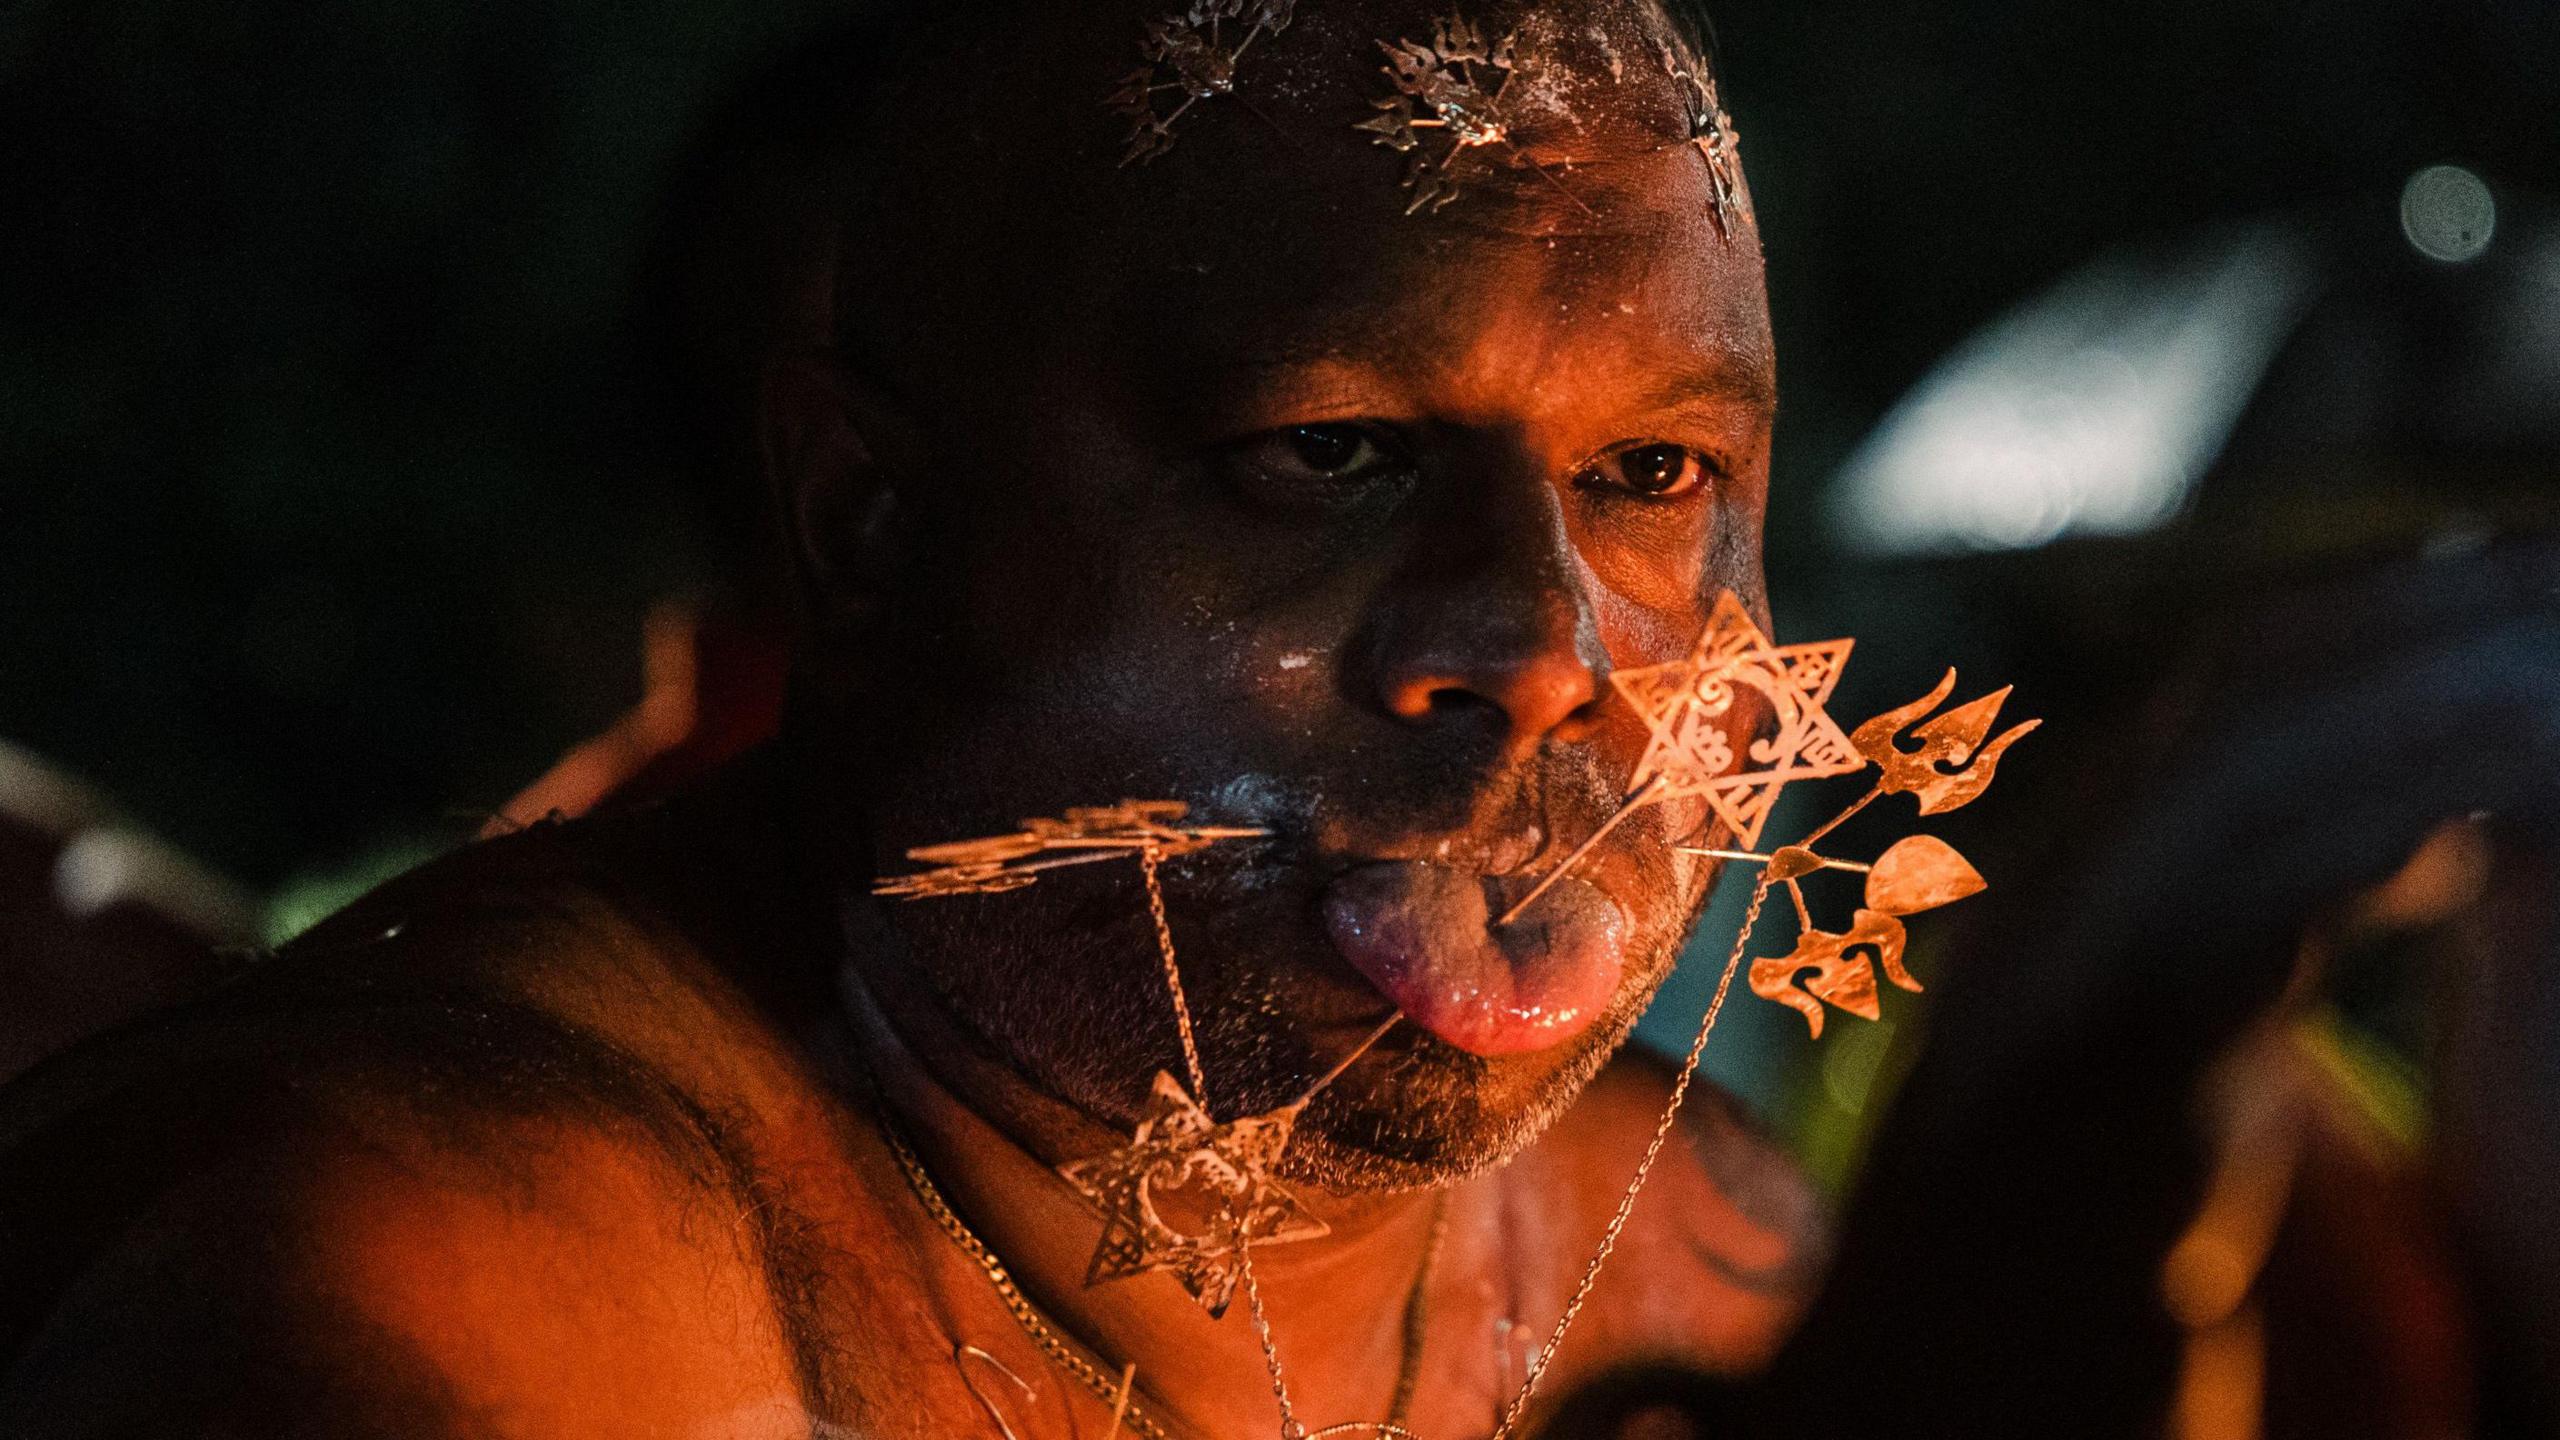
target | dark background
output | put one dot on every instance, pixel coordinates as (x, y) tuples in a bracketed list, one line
[(329, 503), (325, 515)]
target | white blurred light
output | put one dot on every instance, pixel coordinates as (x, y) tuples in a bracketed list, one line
[(2448, 214), (105, 867), (2091, 410)]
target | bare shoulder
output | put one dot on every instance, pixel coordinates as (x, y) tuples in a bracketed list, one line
[(456, 1218), (579, 1274), (478, 1156), (1730, 1237)]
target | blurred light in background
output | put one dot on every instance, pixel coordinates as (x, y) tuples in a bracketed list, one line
[(2091, 410), (2448, 214)]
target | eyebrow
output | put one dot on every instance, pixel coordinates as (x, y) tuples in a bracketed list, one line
[(1720, 376), (1363, 342), (1676, 383)]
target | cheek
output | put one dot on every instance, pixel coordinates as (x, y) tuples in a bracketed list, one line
[(1674, 559), (1151, 698)]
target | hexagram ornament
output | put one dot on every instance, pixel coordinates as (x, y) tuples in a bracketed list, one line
[(1686, 703), (1226, 1170)]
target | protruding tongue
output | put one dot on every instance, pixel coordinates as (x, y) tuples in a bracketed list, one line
[(1420, 932)]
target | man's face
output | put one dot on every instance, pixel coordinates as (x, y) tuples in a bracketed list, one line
[(1232, 483)]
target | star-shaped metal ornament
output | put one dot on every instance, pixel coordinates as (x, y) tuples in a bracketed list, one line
[(1919, 873), (1687, 704), (1190, 56), (1219, 1179)]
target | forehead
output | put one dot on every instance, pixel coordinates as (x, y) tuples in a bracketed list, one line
[(1275, 231)]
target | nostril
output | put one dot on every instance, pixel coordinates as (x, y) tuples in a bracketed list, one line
[(1581, 723), (1530, 698), (1451, 701)]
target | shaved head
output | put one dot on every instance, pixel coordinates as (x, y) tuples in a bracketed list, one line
[(989, 142)]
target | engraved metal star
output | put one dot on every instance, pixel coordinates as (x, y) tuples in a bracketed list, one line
[(1686, 703), (1224, 1172)]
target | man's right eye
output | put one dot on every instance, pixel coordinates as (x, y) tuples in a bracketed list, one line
[(1333, 451), (1321, 466)]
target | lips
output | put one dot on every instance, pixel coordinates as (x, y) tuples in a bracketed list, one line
[(1420, 932)]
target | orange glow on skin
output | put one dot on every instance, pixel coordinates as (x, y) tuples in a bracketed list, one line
[(568, 1296)]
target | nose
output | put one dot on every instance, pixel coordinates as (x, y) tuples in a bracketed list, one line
[(1492, 627)]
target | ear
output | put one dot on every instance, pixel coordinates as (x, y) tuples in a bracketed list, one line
[(825, 437)]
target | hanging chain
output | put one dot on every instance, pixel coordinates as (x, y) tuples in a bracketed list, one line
[(1051, 1342), (1148, 858), (1114, 1390), (1290, 1429), (1546, 1354)]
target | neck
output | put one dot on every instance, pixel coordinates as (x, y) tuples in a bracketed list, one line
[(1337, 1303)]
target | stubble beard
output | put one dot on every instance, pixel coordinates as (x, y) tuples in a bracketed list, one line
[(1417, 1114)]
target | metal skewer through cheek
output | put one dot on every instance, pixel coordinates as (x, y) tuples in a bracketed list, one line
[(1636, 800)]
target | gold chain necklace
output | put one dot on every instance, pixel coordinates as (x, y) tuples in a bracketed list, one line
[(1110, 1389), (1679, 701), (1518, 1408), (1067, 1354)]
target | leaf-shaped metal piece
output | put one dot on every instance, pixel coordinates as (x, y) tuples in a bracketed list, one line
[(1920, 873), (1842, 973), (1952, 740)]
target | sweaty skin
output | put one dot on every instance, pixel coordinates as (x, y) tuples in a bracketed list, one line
[(1221, 479)]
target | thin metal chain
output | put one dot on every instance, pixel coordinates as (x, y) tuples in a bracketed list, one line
[(1063, 1351), (1047, 1337), (1147, 861), (1539, 1362), (1290, 1429), (1417, 1327)]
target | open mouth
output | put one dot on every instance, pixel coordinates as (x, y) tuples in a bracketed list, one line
[(1422, 932)]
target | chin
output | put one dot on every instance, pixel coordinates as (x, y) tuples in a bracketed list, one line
[(1283, 1004)]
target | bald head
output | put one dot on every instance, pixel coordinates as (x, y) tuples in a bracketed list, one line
[(993, 186)]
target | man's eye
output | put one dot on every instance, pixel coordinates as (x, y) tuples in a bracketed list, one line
[(1656, 472), (1336, 452), (1319, 467)]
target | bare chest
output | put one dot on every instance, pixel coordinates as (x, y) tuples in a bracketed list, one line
[(914, 1327)]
